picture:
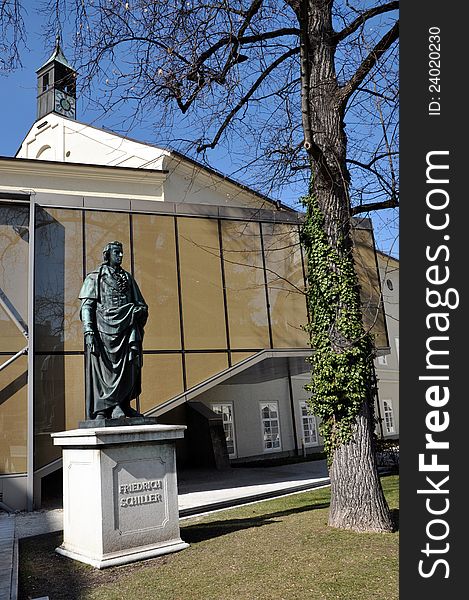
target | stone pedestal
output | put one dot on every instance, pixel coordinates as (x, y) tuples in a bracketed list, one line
[(120, 493)]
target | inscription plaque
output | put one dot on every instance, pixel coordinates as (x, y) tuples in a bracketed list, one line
[(140, 495)]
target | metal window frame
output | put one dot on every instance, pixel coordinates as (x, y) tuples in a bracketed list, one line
[(261, 404), (388, 413), (234, 454), (311, 418), (31, 284)]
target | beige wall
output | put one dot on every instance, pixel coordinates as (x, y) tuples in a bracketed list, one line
[(388, 373), (246, 399)]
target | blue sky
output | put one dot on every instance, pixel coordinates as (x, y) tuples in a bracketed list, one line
[(18, 110)]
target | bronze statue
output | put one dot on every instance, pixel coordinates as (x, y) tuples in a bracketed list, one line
[(114, 314)]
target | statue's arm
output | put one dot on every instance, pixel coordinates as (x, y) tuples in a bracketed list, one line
[(88, 317), (88, 296), (141, 307)]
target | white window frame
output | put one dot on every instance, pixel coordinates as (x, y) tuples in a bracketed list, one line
[(396, 341), (388, 416), (383, 360), (268, 423), (308, 420), (218, 408)]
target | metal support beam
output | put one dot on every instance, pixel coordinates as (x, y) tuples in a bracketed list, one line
[(30, 438), (13, 358), (13, 314)]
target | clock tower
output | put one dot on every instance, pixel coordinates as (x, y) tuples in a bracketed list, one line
[(56, 89)]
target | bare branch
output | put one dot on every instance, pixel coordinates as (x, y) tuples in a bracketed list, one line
[(12, 34), (246, 98), (360, 20), (375, 159), (391, 203), (369, 62)]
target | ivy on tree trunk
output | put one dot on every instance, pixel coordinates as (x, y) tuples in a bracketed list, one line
[(342, 376)]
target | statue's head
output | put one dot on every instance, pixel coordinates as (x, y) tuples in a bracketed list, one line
[(116, 249)]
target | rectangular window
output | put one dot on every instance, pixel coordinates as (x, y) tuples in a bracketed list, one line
[(270, 426), (383, 360), (388, 416), (397, 348), (310, 434), (226, 411)]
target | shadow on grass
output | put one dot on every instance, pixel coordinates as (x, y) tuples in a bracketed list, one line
[(43, 573), (200, 532)]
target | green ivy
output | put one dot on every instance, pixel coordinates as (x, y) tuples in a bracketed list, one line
[(342, 350)]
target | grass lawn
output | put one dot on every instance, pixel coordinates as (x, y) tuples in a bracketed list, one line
[(280, 549)]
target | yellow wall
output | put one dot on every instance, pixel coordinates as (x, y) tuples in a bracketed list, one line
[(218, 291)]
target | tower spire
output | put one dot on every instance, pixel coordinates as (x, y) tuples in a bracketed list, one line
[(56, 84)]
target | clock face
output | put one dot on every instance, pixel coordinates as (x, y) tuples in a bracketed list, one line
[(64, 104)]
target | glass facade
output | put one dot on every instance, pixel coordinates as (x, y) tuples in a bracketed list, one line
[(366, 266), (58, 277), (218, 290), (203, 310), (285, 283), (162, 379), (13, 416), (246, 298), (14, 242), (154, 247), (201, 366), (14, 250)]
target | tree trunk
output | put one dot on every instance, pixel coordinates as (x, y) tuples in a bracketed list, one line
[(357, 501)]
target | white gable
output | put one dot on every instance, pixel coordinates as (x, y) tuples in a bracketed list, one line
[(57, 138), (71, 141)]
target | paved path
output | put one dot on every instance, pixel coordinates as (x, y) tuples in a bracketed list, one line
[(8, 569), (200, 491)]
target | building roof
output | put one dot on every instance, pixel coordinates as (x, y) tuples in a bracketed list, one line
[(57, 56)]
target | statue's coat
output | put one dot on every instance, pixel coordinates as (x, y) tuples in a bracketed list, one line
[(113, 370)]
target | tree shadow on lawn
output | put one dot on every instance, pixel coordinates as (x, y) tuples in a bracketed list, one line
[(200, 532), (45, 573)]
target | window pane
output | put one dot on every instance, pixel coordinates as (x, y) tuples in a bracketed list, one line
[(14, 249), (270, 426), (388, 416), (74, 391), (102, 228), (245, 285), (200, 367), (161, 379), (156, 275), (13, 416), (237, 357), (59, 276), (226, 410), (370, 290), (201, 283), (59, 401), (286, 285)]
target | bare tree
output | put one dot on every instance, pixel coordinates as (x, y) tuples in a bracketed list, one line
[(12, 34), (298, 91)]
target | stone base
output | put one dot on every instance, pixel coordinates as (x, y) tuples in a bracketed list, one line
[(120, 493), (122, 558), (120, 422)]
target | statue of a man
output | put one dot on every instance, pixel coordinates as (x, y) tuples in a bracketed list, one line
[(114, 314)]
